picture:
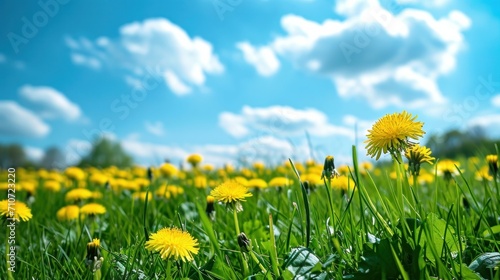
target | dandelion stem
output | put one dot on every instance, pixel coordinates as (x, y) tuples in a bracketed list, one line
[(169, 270), (254, 257), (237, 227)]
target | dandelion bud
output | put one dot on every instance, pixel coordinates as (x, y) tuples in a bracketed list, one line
[(329, 171), (244, 242), (492, 164), (150, 174), (94, 259), (210, 210)]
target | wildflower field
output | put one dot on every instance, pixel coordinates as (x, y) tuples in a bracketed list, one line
[(413, 217)]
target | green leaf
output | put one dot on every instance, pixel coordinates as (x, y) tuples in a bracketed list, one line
[(486, 263), (491, 231), (436, 238), (303, 263)]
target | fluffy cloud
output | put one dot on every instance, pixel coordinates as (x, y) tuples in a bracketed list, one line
[(486, 121), (50, 103), (266, 148), (18, 121), (34, 153), (155, 128), (495, 101), (88, 61), (382, 57), (280, 120), (154, 45), (425, 3), (263, 59)]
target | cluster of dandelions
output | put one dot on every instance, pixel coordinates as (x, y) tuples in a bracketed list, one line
[(396, 133)]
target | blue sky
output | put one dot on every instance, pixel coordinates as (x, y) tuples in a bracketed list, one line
[(242, 79)]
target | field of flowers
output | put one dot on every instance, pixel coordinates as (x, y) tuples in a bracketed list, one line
[(415, 217)]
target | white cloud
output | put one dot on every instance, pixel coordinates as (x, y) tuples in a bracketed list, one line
[(263, 58), (425, 3), (374, 55), (83, 60), (486, 121), (280, 120), (266, 148), (155, 128), (154, 45), (150, 153), (75, 150), (50, 103), (495, 101), (18, 121), (33, 153)]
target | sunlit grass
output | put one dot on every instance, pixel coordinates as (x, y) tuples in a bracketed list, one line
[(379, 223)]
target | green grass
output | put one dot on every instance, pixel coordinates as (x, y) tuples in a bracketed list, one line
[(385, 229)]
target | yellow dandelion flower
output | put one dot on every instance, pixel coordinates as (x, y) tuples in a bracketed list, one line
[(366, 165), (447, 168), (391, 134), (492, 161), (313, 179), (15, 209), (310, 163), (343, 183), (247, 173), (98, 179), (194, 159), (417, 155), (42, 173), (259, 166), (168, 170), (241, 180), (257, 183), (279, 182), (139, 171), (173, 243), (74, 173), (200, 182), (175, 190), (162, 191), (142, 196), (92, 209), (483, 174), (78, 194), (52, 185), (343, 169), (68, 213), (208, 167), (231, 193), (28, 186), (141, 182), (96, 195)]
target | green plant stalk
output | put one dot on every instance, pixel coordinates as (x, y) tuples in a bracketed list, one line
[(306, 206), (254, 257), (272, 249), (237, 227), (146, 234), (169, 271), (97, 275), (330, 204)]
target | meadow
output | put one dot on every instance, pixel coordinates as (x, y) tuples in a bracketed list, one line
[(410, 217)]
